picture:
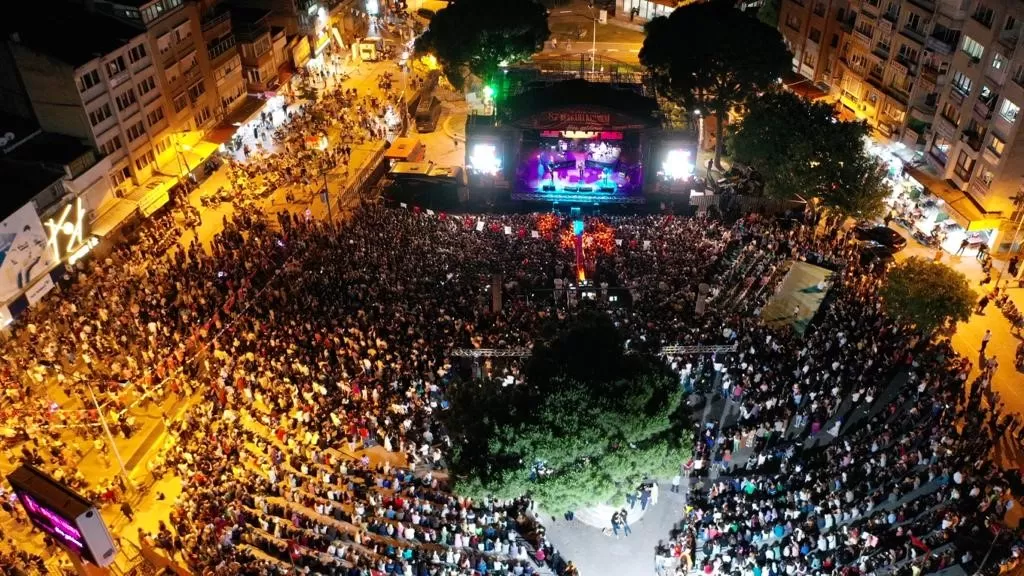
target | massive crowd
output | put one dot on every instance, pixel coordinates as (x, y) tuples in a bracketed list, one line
[(322, 356)]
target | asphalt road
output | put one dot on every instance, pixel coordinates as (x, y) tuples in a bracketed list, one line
[(626, 51)]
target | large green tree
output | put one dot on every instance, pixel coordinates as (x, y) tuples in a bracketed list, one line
[(711, 57), (803, 151), (928, 294), (589, 424), (477, 36)]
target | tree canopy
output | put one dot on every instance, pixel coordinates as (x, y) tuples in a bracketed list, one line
[(802, 150), (710, 57), (477, 36), (927, 293), (589, 425)]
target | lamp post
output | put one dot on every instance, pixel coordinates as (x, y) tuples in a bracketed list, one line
[(110, 438), (103, 422), (593, 40)]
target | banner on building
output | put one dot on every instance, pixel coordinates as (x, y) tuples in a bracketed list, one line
[(24, 254)]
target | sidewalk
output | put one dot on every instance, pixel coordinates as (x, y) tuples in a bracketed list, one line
[(967, 339)]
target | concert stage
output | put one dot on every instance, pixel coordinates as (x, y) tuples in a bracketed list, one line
[(576, 142)]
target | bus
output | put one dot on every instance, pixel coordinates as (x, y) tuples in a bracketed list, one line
[(428, 112)]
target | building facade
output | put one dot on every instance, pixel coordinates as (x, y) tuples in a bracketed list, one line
[(944, 77), (256, 48), (137, 86), (976, 141), (223, 54)]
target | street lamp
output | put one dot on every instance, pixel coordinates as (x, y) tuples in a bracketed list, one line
[(593, 39), (103, 422)]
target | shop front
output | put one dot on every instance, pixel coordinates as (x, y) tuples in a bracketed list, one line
[(152, 195), (938, 215)]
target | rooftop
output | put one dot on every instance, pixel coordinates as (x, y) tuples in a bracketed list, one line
[(578, 95), (22, 182), (59, 152), (17, 127), (69, 32)]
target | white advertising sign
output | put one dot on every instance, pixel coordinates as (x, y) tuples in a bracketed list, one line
[(24, 254), (39, 290)]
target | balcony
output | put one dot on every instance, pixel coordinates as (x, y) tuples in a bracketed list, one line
[(1009, 39), (862, 38), (972, 139), (185, 46), (926, 5), (898, 94), (225, 47), (982, 110), (938, 46), (933, 75), (990, 156), (955, 10), (881, 51), (913, 34), (923, 113), (211, 23), (118, 79)]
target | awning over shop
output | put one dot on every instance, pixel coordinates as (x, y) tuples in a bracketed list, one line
[(958, 205), (240, 116), (802, 86), (153, 194), (112, 218)]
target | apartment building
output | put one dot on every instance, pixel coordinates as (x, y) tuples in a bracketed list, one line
[(976, 142), (253, 35), (225, 58), (97, 84), (894, 60), (813, 31), (297, 17)]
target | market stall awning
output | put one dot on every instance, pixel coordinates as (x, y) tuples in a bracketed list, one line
[(153, 194), (240, 116), (959, 205), (119, 212)]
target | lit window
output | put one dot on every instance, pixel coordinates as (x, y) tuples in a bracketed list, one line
[(1009, 111), (972, 48)]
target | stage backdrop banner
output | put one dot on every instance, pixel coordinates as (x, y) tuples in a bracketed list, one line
[(24, 255), (582, 119)]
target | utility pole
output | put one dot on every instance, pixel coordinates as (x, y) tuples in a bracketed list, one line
[(110, 438)]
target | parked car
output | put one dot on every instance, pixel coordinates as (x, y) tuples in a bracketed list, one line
[(881, 234), (873, 252)]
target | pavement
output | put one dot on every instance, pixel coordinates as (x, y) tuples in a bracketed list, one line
[(967, 339)]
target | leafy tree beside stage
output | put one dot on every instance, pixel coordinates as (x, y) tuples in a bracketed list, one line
[(802, 151), (711, 57), (589, 424), (477, 36), (928, 294)]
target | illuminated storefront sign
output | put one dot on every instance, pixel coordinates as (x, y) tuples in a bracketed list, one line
[(66, 234), (52, 523), (72, 521)]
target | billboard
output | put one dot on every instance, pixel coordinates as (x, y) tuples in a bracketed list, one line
[(24, 254), (72, 521)]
